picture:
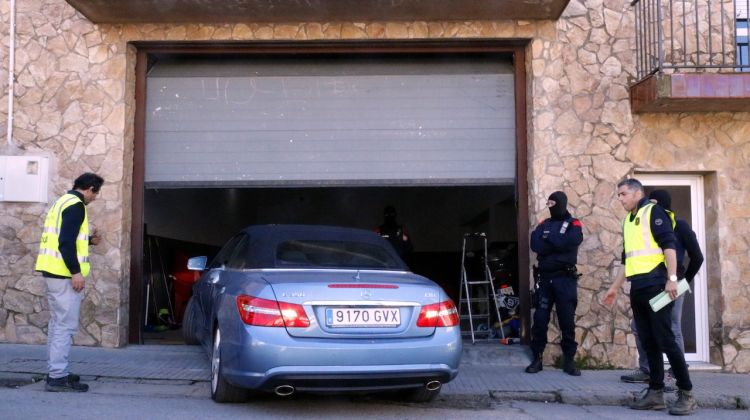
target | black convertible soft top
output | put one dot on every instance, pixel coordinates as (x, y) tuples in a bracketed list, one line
[(296, 246)]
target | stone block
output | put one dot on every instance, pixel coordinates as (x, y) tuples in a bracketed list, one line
[(39, 319), (353, 31), (743, 339), (742, 361), (3, 317), (88, 309), (242, 31), (82, 338), (729, 352), (106, 314), (36, 285), (95, 331), (18, 301), (29, 334), (110, 336)]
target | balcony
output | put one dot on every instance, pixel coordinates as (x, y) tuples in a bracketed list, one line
[(247, 11), (689, 57)]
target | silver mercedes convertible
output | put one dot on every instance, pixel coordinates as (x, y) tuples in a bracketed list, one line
[(297, 308)]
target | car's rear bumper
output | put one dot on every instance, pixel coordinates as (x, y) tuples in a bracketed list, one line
[(307, 378), (264, 358)]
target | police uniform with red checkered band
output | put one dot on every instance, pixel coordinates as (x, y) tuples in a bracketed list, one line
[(556, 241)]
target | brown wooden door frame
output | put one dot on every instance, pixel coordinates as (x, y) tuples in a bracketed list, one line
[(135, 309), (514, 47)]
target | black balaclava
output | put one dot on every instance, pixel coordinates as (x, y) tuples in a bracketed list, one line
[(560, 210), (389, 216), (662, 198)]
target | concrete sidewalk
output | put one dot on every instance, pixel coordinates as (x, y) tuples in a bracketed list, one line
[(489, 372)]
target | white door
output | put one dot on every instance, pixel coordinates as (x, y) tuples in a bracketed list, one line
[(687, 204)]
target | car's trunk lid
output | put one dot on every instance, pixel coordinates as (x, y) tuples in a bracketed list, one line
[(356, 304)]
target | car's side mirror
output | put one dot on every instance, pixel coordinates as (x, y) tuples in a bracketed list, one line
[(197, 263)]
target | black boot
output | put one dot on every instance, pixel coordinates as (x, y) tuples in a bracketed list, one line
[(536, 364), (569, 367)]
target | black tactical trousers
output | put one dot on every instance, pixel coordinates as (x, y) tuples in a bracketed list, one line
[(655, 332), (562, 292)]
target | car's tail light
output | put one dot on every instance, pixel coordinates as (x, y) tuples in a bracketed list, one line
[(270, 313), (443, 314)]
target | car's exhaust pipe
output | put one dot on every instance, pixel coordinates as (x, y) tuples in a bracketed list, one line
[(284, 390), (433, 385)]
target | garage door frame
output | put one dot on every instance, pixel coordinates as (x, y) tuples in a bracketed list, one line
[(145, 50)]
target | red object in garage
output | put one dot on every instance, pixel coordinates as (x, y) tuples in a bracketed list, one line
[(183, 284)]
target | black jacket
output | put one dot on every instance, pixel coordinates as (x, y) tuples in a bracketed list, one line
[(394, 234), (687, 242), (557, 247)]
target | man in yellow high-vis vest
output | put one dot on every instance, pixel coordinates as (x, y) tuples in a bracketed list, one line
[(687, 243), (64, 262), (650, 263)]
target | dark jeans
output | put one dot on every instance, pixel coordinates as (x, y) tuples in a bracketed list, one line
[(655, 331), (563, 293)]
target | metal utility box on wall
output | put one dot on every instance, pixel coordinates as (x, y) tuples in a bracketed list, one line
[(24, 178)]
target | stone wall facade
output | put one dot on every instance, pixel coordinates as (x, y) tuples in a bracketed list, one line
[(75, 103)]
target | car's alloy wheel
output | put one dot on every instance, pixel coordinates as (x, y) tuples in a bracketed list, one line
[(215, 361), (221, 390)]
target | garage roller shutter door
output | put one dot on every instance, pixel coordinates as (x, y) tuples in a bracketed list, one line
[(330, 121)]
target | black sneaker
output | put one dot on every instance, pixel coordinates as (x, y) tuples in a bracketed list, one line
[(65, 384), (72, 377)]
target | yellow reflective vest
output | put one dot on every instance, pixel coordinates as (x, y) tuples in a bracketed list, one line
[(642, 253), (672, 218), (50, 259)]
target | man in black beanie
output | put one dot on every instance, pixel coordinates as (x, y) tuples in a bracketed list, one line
[(555, 241)]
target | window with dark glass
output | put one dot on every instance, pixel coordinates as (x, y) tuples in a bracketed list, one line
[(238, 258), (222, 258)]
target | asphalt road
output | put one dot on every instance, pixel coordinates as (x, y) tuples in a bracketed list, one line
[(130, 399)]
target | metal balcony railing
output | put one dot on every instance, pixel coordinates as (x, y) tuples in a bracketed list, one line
[(690, 36)]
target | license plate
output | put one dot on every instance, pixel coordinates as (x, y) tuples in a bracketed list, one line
[(363, 317)]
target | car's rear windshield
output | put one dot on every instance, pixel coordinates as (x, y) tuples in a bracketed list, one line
[(335, 254)]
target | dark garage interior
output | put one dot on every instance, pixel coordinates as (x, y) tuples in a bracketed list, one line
[(186, 222)]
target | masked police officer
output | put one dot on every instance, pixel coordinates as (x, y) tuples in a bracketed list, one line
[(555, 241), (394, 233)]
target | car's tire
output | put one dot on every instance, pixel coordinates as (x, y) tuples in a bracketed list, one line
[(422, 395), (188, 324), (221, 390)]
